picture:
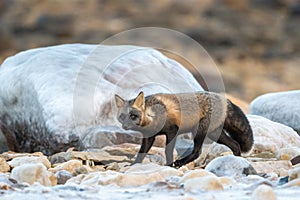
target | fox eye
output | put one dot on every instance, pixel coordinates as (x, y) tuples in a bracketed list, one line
[(133, 116)]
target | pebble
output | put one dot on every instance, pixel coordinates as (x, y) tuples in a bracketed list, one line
[(264, 192), (203, 184), (69, 166), (62, 176), (287, 153), (4, 166)]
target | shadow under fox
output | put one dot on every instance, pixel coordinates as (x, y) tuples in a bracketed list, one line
[(202, 113)]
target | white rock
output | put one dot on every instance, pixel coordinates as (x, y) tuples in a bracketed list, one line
[(30, 160), (67, 91), (281, 107), (264, 192), (271, 136), (207, 183), (287, 153), (31, 173), (230, 166)]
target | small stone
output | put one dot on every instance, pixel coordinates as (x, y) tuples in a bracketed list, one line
[(197, 173), (295, 160), (204, 184), (230, 166), (287, 153), (69, 166), (31, 173), (135, 180), (264, 192), (97, 178), (29, 159), (113, 166), (227, 181), (80, 170), (4, 166), (62, 176), (294, 173)]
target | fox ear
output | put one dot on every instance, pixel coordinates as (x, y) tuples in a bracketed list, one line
[(119, 101), (139, 101)]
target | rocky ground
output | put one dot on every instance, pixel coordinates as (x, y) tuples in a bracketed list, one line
[(265, 173), (254, 43)]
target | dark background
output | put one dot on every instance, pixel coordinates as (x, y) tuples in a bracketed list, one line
[(255, 43)]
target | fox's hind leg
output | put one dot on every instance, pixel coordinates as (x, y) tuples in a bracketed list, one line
[(219, 135), (231, 143)]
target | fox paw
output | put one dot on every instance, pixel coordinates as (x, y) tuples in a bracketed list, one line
[(177, 164)]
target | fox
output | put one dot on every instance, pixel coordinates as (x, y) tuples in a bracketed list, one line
[(202, 113)]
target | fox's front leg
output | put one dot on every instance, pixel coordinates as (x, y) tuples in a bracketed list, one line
[(198, 141), (170, 144), (147, 143)]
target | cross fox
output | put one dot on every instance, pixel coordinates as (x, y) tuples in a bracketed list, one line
[(202, 113)]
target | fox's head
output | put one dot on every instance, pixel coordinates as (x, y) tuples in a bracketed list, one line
[(136, 115)]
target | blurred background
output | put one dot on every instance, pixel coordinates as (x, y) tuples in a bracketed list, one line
[(255, 43)]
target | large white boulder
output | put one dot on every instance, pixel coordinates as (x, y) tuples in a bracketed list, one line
[(52, 97), (271, 136), (281, 107)]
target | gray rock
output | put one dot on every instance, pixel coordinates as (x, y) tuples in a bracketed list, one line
[(230, 166), (282, 107), (62, 176)]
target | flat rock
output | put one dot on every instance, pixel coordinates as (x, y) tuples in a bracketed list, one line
[(271, 136), (281, 107), (230, 166), (29, 160), (100, 156), (277, 166)]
